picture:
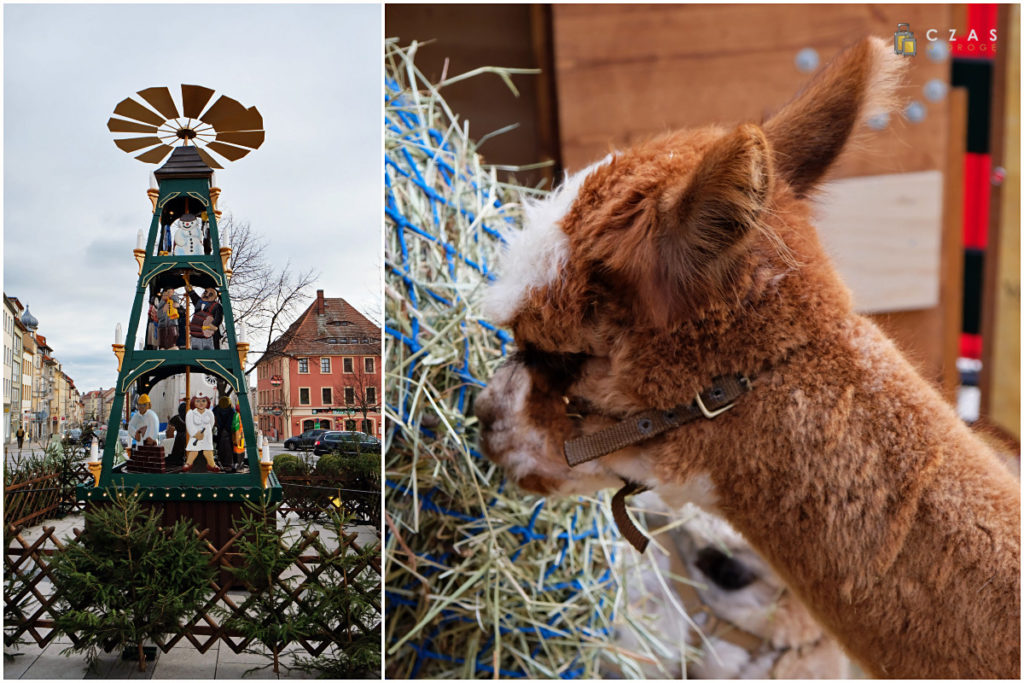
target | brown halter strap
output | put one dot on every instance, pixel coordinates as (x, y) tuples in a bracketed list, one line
[(710, 403)]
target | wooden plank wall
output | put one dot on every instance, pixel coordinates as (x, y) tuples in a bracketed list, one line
[(626, 72), (458, 38), (1000, 404)]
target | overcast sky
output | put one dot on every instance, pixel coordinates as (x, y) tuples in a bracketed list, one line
[(73, 202)]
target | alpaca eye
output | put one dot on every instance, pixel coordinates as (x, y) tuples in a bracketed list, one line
[(559, 370), (724, 571)]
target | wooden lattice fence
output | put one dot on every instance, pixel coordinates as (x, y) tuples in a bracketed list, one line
[(309, 495), (52, 494), (41, 497), (31, 595)]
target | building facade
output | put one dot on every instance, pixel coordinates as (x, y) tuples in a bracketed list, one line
[(10, 315), (28, 375), (108, 404), (16, 376), (323, 372), (92, 407)]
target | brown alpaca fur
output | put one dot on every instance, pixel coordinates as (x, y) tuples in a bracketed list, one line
[(693, 256)]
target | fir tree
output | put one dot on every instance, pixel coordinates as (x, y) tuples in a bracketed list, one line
[(346, 608), (127, 580), (270, 615)]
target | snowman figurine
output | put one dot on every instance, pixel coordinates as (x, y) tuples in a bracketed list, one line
[(188, 236)]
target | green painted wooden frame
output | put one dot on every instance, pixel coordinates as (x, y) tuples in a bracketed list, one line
[(223, 363)]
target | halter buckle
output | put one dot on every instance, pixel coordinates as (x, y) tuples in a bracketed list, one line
[(711, 414)]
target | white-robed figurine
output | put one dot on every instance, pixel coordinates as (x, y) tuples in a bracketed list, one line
[(199, 434), (188, 236), (144, 425)]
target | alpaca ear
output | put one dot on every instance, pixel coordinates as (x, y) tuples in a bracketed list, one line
[(808, 134), (701, 221)]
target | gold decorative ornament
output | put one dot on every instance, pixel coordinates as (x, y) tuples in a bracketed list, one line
[(214, 195), (154, 194), (225, 254), (94, 468), (119, 352), (140, 256), (265, 468), (243, 351)]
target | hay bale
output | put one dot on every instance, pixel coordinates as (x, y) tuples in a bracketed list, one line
[(481, 579)]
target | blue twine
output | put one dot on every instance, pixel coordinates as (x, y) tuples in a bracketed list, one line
[(406, 125)]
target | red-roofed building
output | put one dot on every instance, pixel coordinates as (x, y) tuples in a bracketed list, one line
[(323, 372)]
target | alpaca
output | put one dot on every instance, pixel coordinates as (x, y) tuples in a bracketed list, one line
[(751, 626), (689, 266)]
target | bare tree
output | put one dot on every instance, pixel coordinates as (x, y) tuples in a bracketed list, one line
[(264, 297)]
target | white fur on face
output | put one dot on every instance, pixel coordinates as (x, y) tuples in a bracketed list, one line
[(535, 254), (517, 442)]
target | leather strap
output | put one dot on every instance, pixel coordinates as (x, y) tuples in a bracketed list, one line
[(717, 398), (628, 530)]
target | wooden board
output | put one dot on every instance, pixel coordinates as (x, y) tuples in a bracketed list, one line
[(884, 236), (459, 38), (930, 337), (1000, 403), (625, 72)]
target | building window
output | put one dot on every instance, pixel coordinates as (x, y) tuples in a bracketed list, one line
[(325, 396), (346, 365), (368, 427), (303, 396), (304, 366), (307, 425), (350, 425), (371, 395), (325, 365), (350, 395), (368, 366)]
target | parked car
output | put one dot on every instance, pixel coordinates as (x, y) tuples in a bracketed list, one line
[(304, 441), (73, 436), (345, 442)]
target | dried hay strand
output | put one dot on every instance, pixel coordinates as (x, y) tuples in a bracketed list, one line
[(481, 580)]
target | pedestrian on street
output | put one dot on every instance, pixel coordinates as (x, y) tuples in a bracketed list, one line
[(20, 434)]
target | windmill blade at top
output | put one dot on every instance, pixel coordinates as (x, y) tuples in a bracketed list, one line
[(150, 122), (160, 99), (194, 98)]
